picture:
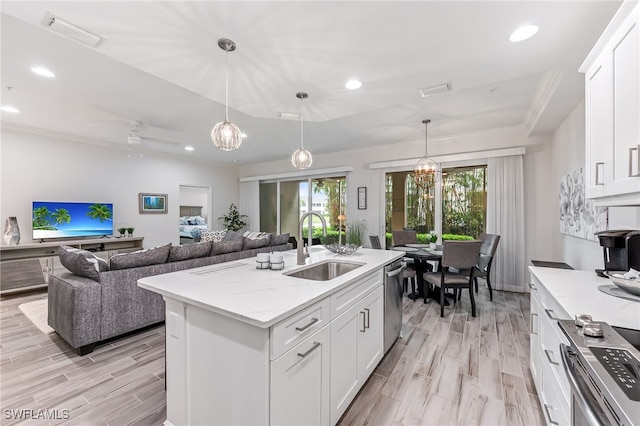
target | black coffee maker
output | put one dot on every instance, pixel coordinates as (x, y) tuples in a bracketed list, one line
[(621, 250)]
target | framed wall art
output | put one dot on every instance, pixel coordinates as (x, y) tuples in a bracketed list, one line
[(362, 198), (152, 203)]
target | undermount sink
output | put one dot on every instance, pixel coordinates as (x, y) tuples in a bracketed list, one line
[(324, 271)]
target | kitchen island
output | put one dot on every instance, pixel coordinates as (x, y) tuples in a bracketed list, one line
[(251, 346)]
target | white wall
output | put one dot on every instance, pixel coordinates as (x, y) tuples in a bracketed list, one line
[(568, 155), (40, 168)]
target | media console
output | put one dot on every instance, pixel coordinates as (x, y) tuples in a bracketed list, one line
[(27, 266)]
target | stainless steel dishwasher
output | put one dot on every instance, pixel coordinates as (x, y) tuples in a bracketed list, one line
[(392, 302)]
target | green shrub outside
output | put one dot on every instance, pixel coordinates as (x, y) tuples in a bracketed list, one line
[(422, 238)]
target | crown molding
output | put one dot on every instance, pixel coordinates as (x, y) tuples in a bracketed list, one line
[(546, 89)]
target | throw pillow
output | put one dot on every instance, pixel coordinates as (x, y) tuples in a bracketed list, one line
[(152, 256), (276, 240), (232, 236), (251, 243), (82, 262), (213, 236), (255, 235), (189, 251), (226, 247)]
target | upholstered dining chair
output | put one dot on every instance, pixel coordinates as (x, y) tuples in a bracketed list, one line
[(487, 253), (375, 242), (461, 255), (404, 237)]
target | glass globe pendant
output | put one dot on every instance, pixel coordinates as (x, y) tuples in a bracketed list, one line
[(301, 158), (226, 135), (426, 172)]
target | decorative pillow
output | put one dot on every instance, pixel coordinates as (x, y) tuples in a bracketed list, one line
[(276, 240), (232, 236), (183, 220), (192, 222), (226, 247), (256, 235), (214, 236), (82, 262), (251, 243), (189, 251), (200, 220), (152, 256)]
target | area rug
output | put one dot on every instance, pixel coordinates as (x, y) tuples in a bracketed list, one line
[(36, 312)]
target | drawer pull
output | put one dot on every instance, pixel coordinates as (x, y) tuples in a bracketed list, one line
[(531, 321), (546, 409), (551, 361), (550, 314), (637, 161), (364, 322), (311, 349), (313, 321), (599, 174), (532, 286), (50, 252), (368, 315)]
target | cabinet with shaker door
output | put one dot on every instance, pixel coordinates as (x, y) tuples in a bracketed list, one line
[(612, 111)]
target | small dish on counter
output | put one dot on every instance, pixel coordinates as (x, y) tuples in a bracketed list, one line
[(628, 281)]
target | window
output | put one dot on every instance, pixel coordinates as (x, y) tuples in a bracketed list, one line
[(464, 200), (408, 205)]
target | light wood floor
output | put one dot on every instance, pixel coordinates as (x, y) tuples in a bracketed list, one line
[(452, 370)]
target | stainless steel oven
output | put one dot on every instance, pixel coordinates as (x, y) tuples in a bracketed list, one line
[(604, 372)]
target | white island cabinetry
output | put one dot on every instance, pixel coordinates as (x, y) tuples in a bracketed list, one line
[(252, 347)]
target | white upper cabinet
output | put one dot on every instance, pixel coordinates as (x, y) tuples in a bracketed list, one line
[(612, 105)]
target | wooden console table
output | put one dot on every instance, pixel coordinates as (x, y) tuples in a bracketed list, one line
[(28, 266)]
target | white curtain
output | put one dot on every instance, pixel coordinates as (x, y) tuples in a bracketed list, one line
[(249, 204), (505, 217)]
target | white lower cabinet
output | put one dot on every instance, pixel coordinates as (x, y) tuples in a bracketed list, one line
[(356, 349), (300, 382), (548, 374)]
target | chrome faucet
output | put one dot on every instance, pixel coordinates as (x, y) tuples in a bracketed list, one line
[(302, 255)]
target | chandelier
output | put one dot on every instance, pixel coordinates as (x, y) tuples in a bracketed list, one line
[(226, 135), (426, 172), (301, 159)]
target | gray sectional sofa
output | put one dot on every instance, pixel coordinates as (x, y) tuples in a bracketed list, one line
[(99, 300)]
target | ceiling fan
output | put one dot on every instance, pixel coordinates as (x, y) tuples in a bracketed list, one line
[(133, 136)]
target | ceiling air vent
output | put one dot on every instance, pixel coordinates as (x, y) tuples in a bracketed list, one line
[(72, 31), (434, 90)]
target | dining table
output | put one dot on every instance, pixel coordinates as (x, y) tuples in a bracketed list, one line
[(422, 254)]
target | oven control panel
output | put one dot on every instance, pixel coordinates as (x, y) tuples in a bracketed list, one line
[(623, 368)]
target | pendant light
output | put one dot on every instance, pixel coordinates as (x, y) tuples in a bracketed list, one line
[(301, 159), (226, 135), (427, 172)]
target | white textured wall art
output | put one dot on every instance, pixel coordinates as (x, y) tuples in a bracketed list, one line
[(578, 216)]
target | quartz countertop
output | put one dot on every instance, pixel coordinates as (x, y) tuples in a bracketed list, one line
[(261, 297), (577, 292)]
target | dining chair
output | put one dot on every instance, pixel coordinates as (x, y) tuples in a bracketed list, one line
[(404, 237), (375, 242), (408, 274), (461, 255), (487, 253)]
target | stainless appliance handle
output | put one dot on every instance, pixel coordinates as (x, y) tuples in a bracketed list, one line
[(396, 271), (578, 390)]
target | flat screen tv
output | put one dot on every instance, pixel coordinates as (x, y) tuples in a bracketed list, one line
[(52, 219)]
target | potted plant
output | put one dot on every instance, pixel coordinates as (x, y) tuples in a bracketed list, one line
[(432, 237), (130, 231), (356, 231), (122, 231), (233, 221)]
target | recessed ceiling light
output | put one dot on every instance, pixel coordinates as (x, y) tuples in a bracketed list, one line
[(41, 71), (188, 148), (11, 109), (353, 84), (523, 33)]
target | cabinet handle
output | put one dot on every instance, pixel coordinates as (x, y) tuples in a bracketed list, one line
[(546, 409), (368, 316), (311, 349), (531, 321), (532, 286), (50, 252), (599, 174), (313, 321), (364, 322), (551, 361), (637, 158), (550, 314)]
